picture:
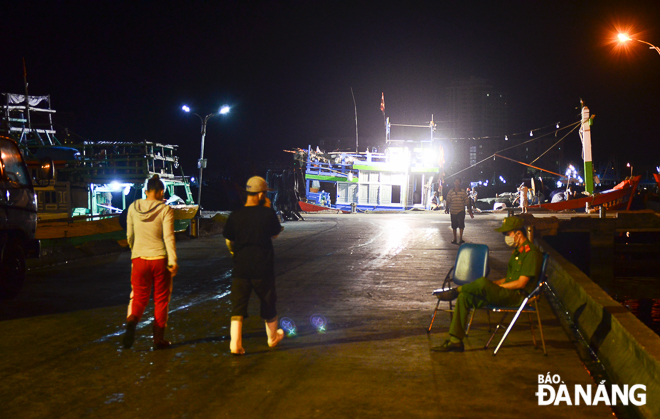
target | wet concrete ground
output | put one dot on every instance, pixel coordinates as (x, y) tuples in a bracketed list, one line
[(369, 275)]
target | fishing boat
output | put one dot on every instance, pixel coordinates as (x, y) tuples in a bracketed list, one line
[(617, 198), (93, 182), (398, 178)]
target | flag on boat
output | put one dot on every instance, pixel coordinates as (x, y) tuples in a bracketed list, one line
[(382, 103)]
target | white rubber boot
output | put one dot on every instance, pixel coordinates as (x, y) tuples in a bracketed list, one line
[(236, 344), (275, 335)]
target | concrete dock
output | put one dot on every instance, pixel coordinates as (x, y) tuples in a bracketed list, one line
[(369, 275)]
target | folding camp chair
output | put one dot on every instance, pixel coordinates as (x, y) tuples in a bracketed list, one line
[(471, 264), (525, 307)]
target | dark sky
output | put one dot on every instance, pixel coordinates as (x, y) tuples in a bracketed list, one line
[(121, 70)]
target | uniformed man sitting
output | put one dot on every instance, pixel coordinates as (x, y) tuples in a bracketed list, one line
[(524, 266)]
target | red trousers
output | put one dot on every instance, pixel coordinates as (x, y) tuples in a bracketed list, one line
[(144, 275)]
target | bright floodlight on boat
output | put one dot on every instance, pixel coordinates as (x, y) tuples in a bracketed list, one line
[(185, 108), (429, 157), (224, 110)]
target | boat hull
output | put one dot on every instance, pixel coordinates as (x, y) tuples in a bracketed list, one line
[(182, 216), (618, 198), (307, 207), (80, 230)]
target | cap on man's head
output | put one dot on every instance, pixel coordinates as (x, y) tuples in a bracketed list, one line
[(256, 184), (511, 223)]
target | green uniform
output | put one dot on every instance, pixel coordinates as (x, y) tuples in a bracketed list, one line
[(525, 261)]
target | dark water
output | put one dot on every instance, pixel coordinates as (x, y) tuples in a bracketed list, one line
[(636, 283)]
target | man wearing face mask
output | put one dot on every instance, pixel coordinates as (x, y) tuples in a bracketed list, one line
[(524, 266), (249, 232)]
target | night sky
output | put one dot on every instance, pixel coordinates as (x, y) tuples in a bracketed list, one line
[(120, 71)]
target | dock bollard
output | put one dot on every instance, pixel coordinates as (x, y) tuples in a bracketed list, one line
[(602, 212), (194, 227), (353, 207), (510, 212)]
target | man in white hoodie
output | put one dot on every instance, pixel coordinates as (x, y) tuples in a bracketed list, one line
[(150, 234)]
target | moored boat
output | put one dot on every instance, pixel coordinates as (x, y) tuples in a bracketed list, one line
[(617, 198), (93, 182)]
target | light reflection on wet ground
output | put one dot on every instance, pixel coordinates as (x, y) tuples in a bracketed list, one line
[(358, 289)]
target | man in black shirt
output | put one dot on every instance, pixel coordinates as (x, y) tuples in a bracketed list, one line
[(249, 232)]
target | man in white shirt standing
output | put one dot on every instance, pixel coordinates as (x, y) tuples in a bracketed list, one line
[(457, 200), (524, 202)]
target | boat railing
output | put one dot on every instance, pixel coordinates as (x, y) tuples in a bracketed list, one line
[(78, 218), (105, 168), (330, 169), (337, 164), (106, 171)]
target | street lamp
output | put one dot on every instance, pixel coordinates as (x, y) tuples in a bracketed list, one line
[(625, 38), (201, 163), (630, 165)]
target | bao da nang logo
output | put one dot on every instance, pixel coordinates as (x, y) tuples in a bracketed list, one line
[(552, 390)]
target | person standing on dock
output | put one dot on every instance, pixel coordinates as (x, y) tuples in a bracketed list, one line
[(457, 200), (248, 233), (524, 201), (150, 234)]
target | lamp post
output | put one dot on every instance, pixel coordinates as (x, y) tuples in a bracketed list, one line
[(630, 165), (624, 38), (201, 163)]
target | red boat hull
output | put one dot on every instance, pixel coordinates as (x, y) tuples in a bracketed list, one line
[(304, 206), (617, 198)]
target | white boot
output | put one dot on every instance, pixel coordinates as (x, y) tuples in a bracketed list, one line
[(275, 335), (236, 344)]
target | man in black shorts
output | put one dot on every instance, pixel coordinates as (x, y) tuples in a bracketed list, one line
[(249, 232), (457, 200)]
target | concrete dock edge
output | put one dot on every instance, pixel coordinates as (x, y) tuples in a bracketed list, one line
[(628, 349)]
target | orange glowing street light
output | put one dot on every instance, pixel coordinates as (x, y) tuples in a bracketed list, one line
[(623, 37)]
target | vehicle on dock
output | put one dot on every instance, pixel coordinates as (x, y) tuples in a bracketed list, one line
[(18, 217)]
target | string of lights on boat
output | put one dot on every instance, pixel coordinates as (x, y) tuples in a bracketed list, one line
[(574, 126)]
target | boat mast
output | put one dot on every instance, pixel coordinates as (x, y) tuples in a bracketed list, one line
[(586, 150), (356, 124), (27, 100)]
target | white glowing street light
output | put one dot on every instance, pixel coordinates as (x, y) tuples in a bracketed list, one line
[(625, 38), (201, 163), (630, 165)]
